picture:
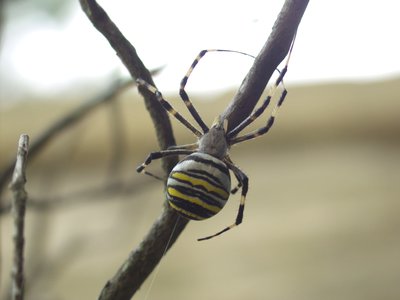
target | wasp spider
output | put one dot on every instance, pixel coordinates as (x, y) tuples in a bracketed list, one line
[(199, 185)]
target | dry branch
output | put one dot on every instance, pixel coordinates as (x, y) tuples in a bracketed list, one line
[(95, 194), (143, 260), (64, 123), (18, 208)]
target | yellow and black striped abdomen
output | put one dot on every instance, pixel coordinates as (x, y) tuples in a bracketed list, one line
[(199, 186)]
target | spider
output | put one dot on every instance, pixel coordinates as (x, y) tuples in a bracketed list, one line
[(199, 185)]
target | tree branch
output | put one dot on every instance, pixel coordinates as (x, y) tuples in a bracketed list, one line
[(265, 64), (75, 115), (18, 208), (62, 124), (143, 260), (127, 54)]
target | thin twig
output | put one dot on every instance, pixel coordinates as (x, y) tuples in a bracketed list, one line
[(64, 123), (18, 210), (143, 259), (96, 194)]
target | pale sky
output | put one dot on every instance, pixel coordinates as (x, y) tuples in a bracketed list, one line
[(337, 40)]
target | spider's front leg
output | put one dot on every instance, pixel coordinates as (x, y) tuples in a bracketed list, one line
[(157, 155), (167, 106)]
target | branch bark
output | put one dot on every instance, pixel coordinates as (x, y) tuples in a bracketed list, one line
[(143, 259), (18, 209)]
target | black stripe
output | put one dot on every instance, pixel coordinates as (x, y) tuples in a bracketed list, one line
[(197, 158), (198, 188), (192, 208), (281, 75), (284, 93), (184, 81), (203, 175), (203, 196)]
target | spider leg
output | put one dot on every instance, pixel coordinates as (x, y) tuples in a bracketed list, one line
[(264, 129), (168, 106), (258, 112), (236, 188), (184, 80), (239, 184), (192, 146), (157, 155), (244, 182), (232, 135)]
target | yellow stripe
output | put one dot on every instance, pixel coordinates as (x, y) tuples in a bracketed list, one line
[(175, 193), (200, 182)]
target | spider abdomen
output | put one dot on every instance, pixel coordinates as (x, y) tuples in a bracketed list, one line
[(199, 186)]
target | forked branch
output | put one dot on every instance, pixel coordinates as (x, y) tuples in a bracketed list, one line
[(143, 260)]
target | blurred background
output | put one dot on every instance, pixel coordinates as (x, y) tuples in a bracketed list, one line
[(322, 216)]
